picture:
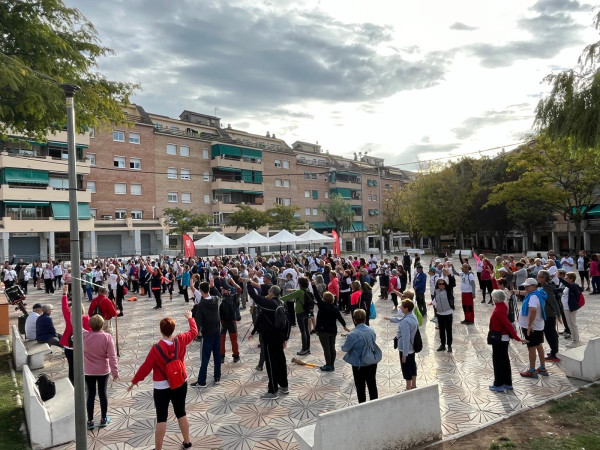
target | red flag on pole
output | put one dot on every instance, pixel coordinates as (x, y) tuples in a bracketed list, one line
[(188, 246), (336, 244)]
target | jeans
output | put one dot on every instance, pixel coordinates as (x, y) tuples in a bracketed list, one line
[(365, 375), (302, 319), (328, 343), (445, 324), (91, 381), (210, 345), (89, 293), (501, 363), (291, 310), (596, 284)]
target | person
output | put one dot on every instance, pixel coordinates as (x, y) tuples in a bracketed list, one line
[(302, 316), (393, 287), (583, 267), (104, 306), (443, 300), (209, 327), (184, 280), (366, 299), (354, 346), (408, 326), (531, 322), (229, 313), (116, 288), (155, 285), (552, 314), (100, 361), (163, 394), (345, 290), (406, 264), (355, 297), (567, 263), (467, 289), (595, 274), (570, 302), (66, 341), (272, 340), (327, 319), (499, 323), (48, 280), (30, 323), (419, 285), (44, 328)]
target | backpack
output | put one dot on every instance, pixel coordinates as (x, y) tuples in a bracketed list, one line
[(176, 374), (371, 353), (46, 387), (309, 302), (581, 300), (97, 310), (279, 326), (418, 342), (227, 309)]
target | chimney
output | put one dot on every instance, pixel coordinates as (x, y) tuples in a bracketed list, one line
[(268, 134), (229, 126), (273, 135)]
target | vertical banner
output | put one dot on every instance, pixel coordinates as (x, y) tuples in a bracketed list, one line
[(188, 246), (336, 244)]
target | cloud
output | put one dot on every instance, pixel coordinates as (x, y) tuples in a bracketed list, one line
[(553, 6), (473, 124), (462, 27)]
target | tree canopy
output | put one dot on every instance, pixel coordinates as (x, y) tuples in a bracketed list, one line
[(285, 217), (183, 221), (44, 43), (248, 218), (339, 212)]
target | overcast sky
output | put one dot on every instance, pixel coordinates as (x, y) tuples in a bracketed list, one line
[(405, 80)]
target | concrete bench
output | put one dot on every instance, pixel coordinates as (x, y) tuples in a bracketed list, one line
[(52, 422), (582, 362), (27, 352), (344, 428)]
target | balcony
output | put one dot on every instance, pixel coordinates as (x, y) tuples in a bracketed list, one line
[(46, 163), (228, 208), (41, 224), (232, 163), (241, 186), (41, 194)]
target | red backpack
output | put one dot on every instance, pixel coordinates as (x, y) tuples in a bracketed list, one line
[(176, 374)]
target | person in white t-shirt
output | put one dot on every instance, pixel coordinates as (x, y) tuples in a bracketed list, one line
[(532, 324), (30, 328), (567, 263)]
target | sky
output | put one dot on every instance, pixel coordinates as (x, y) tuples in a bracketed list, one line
[(404, 81)]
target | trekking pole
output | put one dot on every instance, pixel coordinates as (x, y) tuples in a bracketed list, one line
[(246, 334), (117, 336)]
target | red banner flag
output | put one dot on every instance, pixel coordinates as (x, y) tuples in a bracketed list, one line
[(188, 246), (336, 244)]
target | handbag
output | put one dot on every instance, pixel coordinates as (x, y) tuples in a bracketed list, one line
[(371, 354), (372, 311), (494, 337)]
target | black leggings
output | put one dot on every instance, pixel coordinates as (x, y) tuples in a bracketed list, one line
[(102, 381), (365, 375), (162, 397), (157, 297), (486, 285)]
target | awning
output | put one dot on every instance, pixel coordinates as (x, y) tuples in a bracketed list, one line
[(321, 225), (226, 150), (229, 169), (26, 204), (253, 192), (251, 153), (344, 192), (65, 145), (594, 211), (228, 190), (357, 226), (28, 176), (60, 211)]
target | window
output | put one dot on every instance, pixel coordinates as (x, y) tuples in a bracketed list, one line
[(287, 201), (205, 153), (278, 182), (286, 183), (120, 213), (286, 164), (374, 197), (370, 197), (206, 176), (119, 161), (172, 197), (185, 174), (58, 183), (206, 198), (171, 149), (184, 151), (278, 163), (279, 200), (134, 138), (307, 194), (315, 212), (136, 214), (307, 211), (172, 173), (91, 158), (93, 212), (186, 197), (315, 195), (135, 189), (120, 188), (326, 195), (91, 185), (314, 176), (135, 163), (119, 136), (307, 175), (92, 132)]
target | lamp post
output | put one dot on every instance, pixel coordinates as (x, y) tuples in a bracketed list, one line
[(78, 372), (380, 215)]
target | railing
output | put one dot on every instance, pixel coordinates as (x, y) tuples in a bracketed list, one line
[(15, 217), (187, 133)]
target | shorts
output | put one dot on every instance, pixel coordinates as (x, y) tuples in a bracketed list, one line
[(409, 368), (162, 397), (535, 338)]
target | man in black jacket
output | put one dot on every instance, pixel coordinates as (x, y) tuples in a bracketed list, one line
[(209, 327), (271, 339)]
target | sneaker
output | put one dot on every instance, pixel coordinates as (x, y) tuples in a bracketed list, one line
[(483, 301), (324, 368), (198, 385), (529, 373), (464, 322), (552, 358), (222, 359), (508, 387), (491, 302), (441, 348), (303, 352), (497, 388), (284, 390), (186, 445), (269, 396), (449, 349), (104, 422), (434, 320), (90, 425), (567, 336), (236, 358), (120, 314), (217, 381), (543, 371), (259, 368)]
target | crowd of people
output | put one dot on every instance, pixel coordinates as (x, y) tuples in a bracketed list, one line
[(313, 292)]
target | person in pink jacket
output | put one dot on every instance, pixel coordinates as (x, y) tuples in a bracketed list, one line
[(66, 340), (100, 361)]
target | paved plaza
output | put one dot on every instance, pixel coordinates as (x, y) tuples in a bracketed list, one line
[(232, 417)]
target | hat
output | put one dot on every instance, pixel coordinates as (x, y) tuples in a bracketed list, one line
[(268, 275), (530, 282), (432, 269), (37, 306), (418, 266), (502, 269)]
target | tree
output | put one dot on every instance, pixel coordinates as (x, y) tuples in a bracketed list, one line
[(339, 212), (44, 43), (183, 221), (248, 218), (285, 217), (400, 212)]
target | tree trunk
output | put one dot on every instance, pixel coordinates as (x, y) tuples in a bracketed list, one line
[(579, 244)]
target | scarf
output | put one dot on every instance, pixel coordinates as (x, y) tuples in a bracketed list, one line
[(541, 295)]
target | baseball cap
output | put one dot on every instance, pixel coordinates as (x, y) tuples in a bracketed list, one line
[(37, 306), (432, 269), (530, 282), (418, 266)]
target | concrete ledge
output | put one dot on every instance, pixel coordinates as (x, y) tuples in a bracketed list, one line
[(379, 424), (31, 353), (582, 362)]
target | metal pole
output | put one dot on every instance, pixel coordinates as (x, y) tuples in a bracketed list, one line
[(381, 244), (80, 403)]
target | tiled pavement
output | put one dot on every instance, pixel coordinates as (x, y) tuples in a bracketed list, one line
[(231, 416)]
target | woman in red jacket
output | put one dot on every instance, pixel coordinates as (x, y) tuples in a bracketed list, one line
[(499, 323), (163, 394)]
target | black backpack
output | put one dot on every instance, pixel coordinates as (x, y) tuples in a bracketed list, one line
[(46, 387), (279, 326), (227, 309), (309, 302), (418, 342)]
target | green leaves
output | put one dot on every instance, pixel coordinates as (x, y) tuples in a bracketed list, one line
[(339, 212), (285, 217), (182, 221), (248, 218)]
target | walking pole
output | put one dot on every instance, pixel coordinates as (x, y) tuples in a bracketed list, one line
[(244, 338), (117, 336)]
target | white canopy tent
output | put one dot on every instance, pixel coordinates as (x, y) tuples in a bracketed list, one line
[(284, 237), (254, 239), (314, 237), (215, 240)]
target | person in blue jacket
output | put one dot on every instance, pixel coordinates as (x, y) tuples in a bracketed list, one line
[(419, 285), (44, 328)]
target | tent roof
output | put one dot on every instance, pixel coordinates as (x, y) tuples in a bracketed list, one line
[(314, 237), (254, 238), (284, 237), (216, 240)]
